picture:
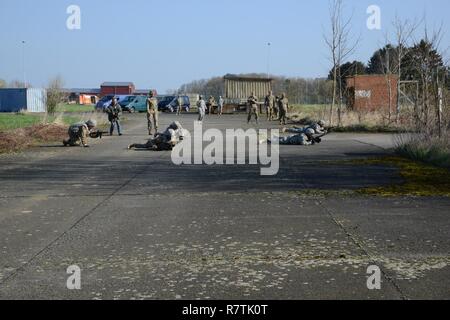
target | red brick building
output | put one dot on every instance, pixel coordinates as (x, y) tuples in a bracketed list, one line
[(118, 88), (371, 92)]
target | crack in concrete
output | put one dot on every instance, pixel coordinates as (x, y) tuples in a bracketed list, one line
[(360, 244)]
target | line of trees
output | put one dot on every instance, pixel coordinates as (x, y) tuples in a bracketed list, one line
[(299, 90), (13, 84)]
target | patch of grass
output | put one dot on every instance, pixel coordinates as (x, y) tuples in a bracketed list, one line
[(420, 179), (11, 121), (73, 108), (306, 108), (433, 153), (364, 128)]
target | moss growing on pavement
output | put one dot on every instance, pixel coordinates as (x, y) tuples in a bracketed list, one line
[(420, 179)]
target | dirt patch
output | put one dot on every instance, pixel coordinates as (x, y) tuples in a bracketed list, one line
[(20, 139)]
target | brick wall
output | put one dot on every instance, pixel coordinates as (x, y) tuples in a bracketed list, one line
[(371, 92)]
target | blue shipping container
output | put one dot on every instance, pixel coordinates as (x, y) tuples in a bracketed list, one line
[(30, 100)]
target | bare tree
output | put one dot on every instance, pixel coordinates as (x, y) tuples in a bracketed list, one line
[(404, 30), (55, 94), (341, 46), (18, 84)]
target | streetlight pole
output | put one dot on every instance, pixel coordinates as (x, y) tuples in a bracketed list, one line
[(23, 64), (268, 59)]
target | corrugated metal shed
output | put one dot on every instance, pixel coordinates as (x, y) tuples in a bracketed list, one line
[(240, 88), (30, 99)]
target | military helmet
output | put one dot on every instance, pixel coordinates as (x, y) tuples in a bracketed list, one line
[(310, 131), (91, 123), (321, 123)]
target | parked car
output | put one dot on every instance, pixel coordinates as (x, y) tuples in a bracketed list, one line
[(106, 101), (139, 104), (170, 104), (126, 103)]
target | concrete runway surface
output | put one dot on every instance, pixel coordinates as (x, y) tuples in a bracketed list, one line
[(140, 227)]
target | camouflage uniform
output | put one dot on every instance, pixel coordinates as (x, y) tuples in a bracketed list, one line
[(283, 106), (221, 103), (315, 128), (276, 113), (78, 134), (164, 141), (211, 103), (201, 109), (179, 105), (152, 114), (298, 140), (252, 108), (270, 105)]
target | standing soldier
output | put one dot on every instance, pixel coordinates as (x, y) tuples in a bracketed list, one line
[(276, 113), (221, 103), (114, 111), (201, 105), (252, 108), (283, 107), (179, 105), (270, 105), (79, 132), (211, 103), (152, 113)]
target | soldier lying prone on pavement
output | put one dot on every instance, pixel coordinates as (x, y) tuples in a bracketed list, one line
[(300, 139), (304, 136), (318, 128), (79, 133), (164, 141)]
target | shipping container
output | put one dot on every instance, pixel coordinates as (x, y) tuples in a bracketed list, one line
[(27, 99)]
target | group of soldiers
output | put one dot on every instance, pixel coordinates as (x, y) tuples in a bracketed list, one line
[(304, 136), (80, 132), (276, 108)]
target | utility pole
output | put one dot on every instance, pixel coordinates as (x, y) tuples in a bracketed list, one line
[(268, 59), (439, 107), (23, 64)]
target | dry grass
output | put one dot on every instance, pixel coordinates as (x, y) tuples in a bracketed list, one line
[(425, 147), (22, 138), (32, 130), (351, 121)]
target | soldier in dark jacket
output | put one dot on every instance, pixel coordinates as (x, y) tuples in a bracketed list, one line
[(114, 112)]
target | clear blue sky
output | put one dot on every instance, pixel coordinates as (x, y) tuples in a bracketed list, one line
[(162, 44)]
